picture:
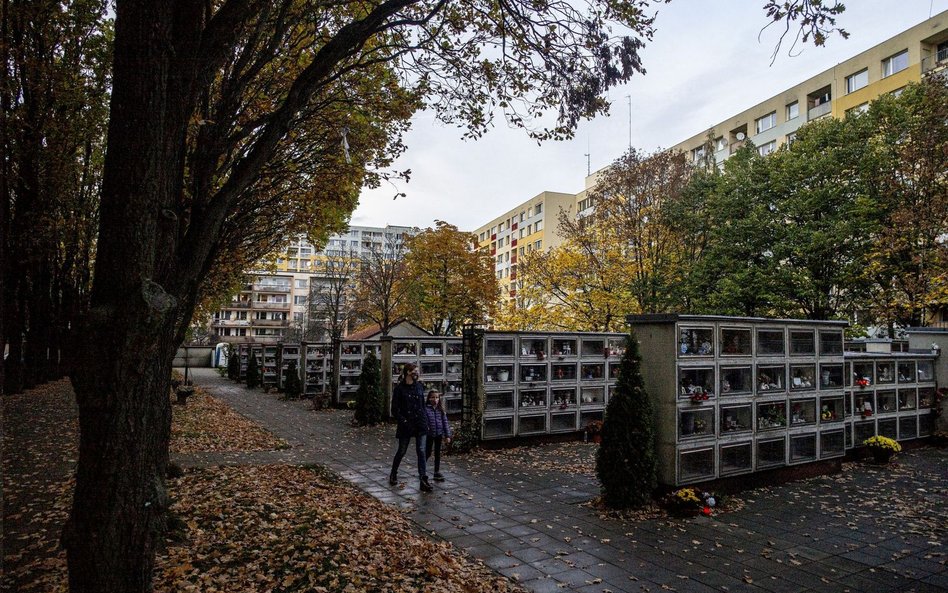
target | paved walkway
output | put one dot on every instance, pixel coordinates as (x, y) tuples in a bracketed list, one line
[(868, 529)]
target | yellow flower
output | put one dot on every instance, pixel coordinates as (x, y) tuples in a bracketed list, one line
[(881, 442)]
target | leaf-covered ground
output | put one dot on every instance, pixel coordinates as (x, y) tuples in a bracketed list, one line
[(269, 528), (569, 458), (281, 528), (208, 424)]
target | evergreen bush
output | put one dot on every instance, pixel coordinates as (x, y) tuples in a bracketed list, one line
[(292, 386), (625, 461), (369, 401), (253, 372), (233, 363)]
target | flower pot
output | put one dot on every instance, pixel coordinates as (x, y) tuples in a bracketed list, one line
[(881, 456)]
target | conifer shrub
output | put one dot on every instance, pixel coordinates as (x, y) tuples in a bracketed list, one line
[(233, 363), (625, 461), (253, 372), (292, 385), (368, 400)]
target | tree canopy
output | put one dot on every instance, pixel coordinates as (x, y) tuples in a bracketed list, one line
[(451, 283)]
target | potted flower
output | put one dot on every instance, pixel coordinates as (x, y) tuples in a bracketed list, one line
[(594, 430), (882, 448), (862, 382)]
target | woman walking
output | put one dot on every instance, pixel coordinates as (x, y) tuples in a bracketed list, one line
[(408, 407)]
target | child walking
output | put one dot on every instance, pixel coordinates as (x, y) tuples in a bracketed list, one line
[(438, 430)]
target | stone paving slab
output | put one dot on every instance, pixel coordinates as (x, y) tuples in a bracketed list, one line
[(531, 524)]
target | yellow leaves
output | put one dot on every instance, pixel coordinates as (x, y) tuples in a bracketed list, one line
[(207, 424)]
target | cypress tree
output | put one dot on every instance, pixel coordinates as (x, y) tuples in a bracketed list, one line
[(292, 386), (233, 362), (625, 462), (369, 400), (253, 372)]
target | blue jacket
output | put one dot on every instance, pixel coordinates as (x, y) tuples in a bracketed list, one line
[(438, 425), (408, 408)]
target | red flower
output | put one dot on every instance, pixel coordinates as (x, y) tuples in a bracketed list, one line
[(706, 510)]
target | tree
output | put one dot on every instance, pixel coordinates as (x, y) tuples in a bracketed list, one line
[(451, 282), (383, 284), (292, 385), (331, 295), (575, 286), (369, 400), (907, 262), (628, 205), (734, 225), (625, 461), (819, 198), (235, 124), (619, 259), (53, 90), (253, 371), (233, 362)]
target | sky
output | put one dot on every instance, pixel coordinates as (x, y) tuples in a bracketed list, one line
[(704, 64)]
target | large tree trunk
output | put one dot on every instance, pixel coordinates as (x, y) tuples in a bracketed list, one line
[(133, 324)]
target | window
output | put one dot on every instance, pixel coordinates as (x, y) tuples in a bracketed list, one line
[(720, 143), (897, 92), (538, 209), (793, 110), (523, 215), (521, 233), (791, 138), (299, 300), (500, 228), (302, 283), (894, 64), (493, 230), (856, 81), (765, 149), (537, 244), (766, 122), (861, 108), (521, 252), (538, 226), (585, 204), (482, 236), (529, 229), (697, 154)]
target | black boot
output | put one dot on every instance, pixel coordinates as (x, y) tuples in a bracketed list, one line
[(425, 486), (393, 478)]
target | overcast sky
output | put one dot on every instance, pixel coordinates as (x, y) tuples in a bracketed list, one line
[(704, 65)]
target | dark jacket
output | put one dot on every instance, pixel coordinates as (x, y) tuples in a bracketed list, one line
[(438, 425), (408, 408)]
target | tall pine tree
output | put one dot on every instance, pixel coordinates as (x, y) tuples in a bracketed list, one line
[(292, 385), (233, 362), (253, 371), (625, 462), (369, 400)]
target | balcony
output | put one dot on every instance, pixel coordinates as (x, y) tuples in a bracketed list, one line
[(230, 323), (938, 61), (818, 111), (277, 288), (237, 305), (271, 306), (270, 323)]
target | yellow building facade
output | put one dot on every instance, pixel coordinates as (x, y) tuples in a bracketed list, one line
[(846, 87)]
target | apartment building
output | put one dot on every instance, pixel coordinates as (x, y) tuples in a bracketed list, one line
[(528, 226), (272, 306), (845, 88)]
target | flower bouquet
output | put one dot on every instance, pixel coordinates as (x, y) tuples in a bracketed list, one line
[(882, 448), (690, 501), (697, 397)]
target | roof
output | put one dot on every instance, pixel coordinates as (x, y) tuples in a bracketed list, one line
[(401, 327)]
